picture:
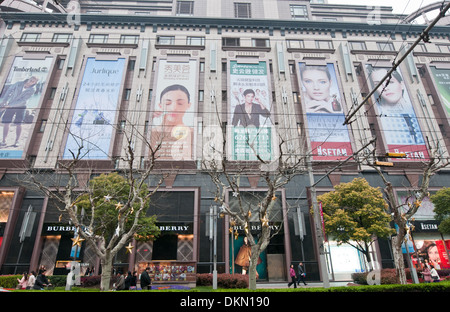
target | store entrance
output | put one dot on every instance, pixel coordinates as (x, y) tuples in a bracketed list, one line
[(165, 247)]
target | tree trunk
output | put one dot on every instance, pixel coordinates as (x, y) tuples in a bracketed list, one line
[(252, 268), (105, 282), (368, 259), (398, 259)]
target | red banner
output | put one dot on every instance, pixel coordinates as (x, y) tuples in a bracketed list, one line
[(413, 152), (432, 252)]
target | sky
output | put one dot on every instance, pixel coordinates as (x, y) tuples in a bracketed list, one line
[(398, 6)]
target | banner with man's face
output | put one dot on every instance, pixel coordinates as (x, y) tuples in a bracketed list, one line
[(173, 110), (20, 99), (250, 123)]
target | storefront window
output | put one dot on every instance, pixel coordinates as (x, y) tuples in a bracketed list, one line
[(5, 206), (165, 247), (271, 259), (175, 218), (22, 234)]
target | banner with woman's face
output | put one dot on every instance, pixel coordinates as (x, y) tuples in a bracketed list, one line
[(173, 110), (398, 122), (323, 105)]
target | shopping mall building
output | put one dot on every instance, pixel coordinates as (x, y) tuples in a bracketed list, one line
[(90, 70)]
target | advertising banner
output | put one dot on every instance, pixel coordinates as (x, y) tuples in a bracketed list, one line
[(251, 128), (322, 103), (173, 110), (442, 81), (19, 101), (240, 253), (432, 252), (398, 121), (95, 112), (424, 212)]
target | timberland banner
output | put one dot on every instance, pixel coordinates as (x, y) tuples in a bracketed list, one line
[(95, 112), (322, 103), (20, 100), (173, 109), (250, 124), (398, 121)]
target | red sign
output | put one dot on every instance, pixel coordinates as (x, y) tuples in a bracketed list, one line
[(413, 152)]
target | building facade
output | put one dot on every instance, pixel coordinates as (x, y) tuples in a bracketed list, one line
[(91, 73)]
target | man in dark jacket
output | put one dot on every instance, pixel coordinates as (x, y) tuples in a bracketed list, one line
[(41, 281), (301, 274), (145, 279), (247, 114)]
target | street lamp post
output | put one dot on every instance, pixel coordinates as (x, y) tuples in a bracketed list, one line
[(213, 231), (318, 230)]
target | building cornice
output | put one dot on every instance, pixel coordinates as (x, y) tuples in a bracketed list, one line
[(153, 22)]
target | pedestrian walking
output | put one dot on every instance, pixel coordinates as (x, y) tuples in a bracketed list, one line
[(145, 279), (292, 275), (301, 274)]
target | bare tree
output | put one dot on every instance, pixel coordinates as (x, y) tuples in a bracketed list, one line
[(129, 210), (403, 212), (226, 176)]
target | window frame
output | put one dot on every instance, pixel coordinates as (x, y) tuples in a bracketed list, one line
[(165, 40), (98, 38), (226, 42), (188, 11), (124, 38), (239, 7), (296, 7), (30, 37)]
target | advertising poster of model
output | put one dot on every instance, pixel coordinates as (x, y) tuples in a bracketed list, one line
[(92, 125), (251, 127), (432, 253), (20, 100), (173, 110), (398, 120), (323, 105)]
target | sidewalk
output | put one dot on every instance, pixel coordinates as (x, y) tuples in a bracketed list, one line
[(269, 285)]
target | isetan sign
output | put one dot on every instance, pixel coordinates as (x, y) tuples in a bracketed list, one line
[(426, 226)]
